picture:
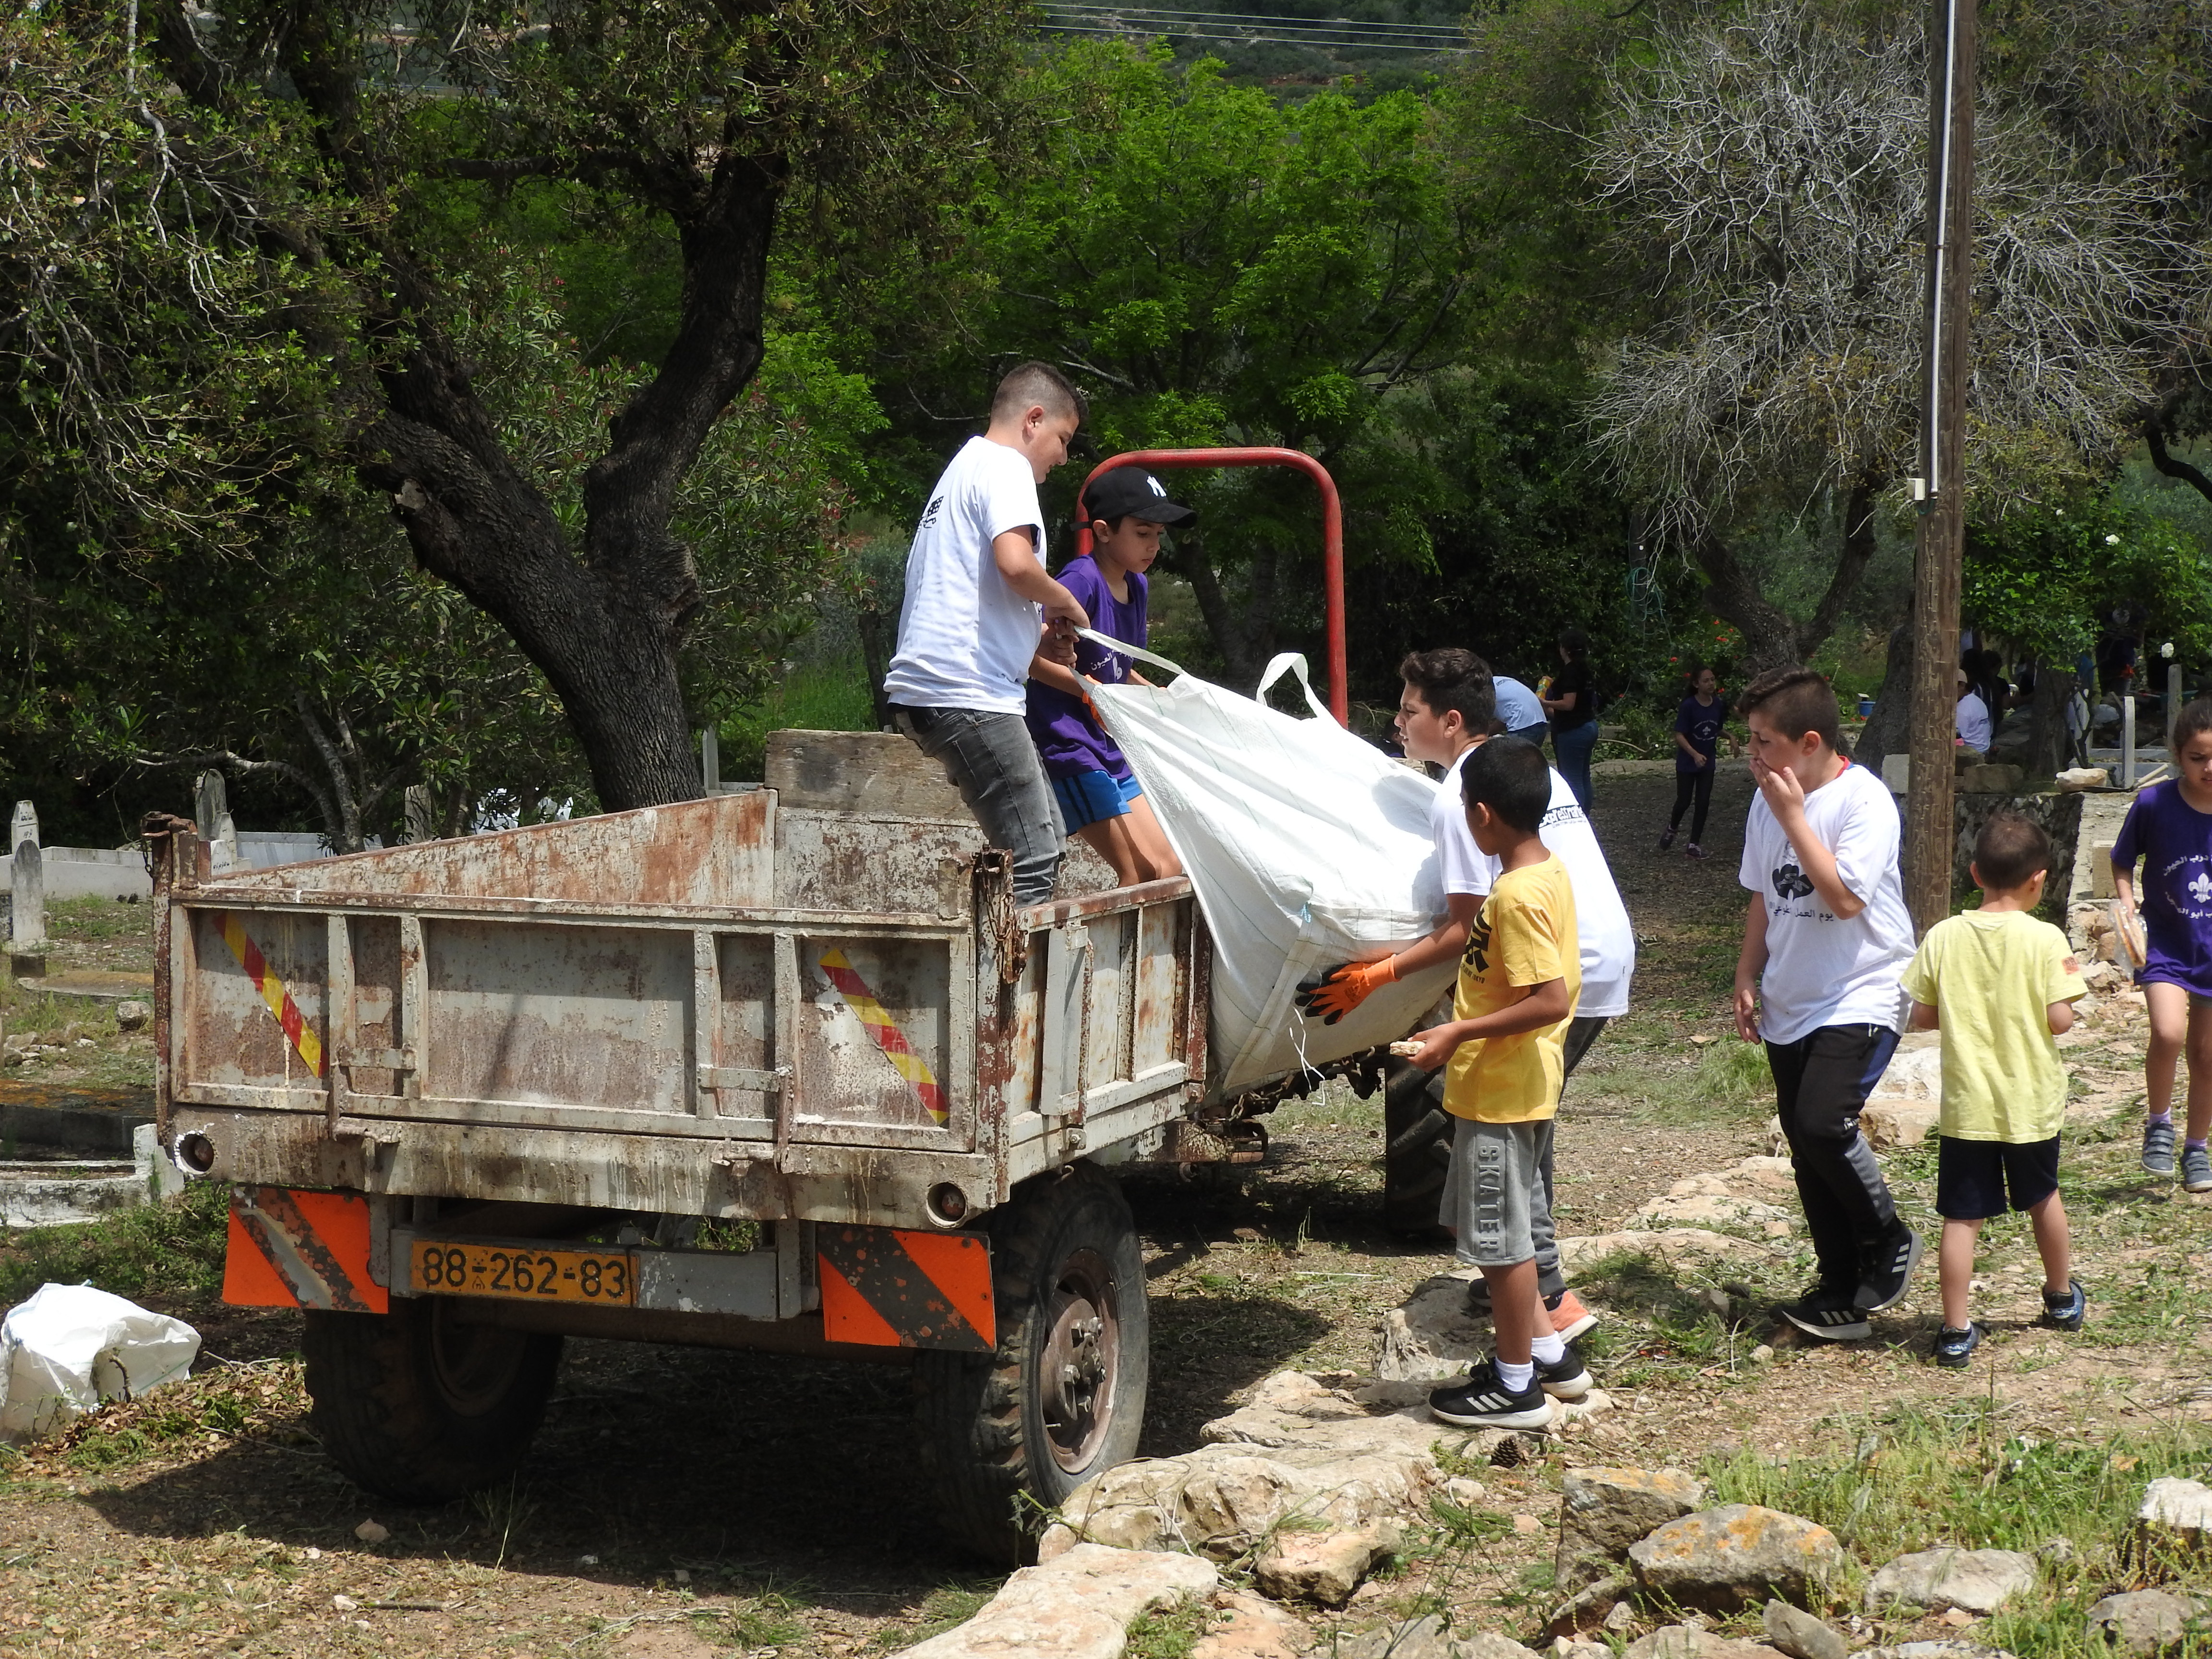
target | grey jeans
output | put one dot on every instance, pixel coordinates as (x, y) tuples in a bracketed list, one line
[(994, 765)]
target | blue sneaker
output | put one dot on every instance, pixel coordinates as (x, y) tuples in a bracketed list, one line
[(1955, 1350), (2065, 1312), (2196, 1170), (2158, 1147)]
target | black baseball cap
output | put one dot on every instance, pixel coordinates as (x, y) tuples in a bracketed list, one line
[(1125, 492)]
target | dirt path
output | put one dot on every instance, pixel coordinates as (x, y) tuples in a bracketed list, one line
[(685, 1503)]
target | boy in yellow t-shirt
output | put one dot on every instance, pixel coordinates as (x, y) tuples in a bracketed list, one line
[(1505, 1047), (2001, 986)]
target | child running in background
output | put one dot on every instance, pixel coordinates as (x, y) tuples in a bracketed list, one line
[(1824, 940), (2169, 828), (1099, 797), (1504, 1050), (2000, 985), (1697, 756)]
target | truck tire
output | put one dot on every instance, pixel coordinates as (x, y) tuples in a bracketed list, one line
[(1417, 1148), (418, 1408), (1008, 1435)]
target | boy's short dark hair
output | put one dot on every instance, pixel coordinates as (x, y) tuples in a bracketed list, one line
[(1512, 779), (2012, 849), (1040, 385), (1452, 680), (1795, 700)]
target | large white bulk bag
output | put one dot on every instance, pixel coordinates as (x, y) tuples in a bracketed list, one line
[(1308, 846), (70, 1347)]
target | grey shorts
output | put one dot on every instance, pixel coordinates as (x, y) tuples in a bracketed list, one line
[(1495, 1201)]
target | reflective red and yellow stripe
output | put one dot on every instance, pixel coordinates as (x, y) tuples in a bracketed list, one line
[(885, 1030), (296, 1028)]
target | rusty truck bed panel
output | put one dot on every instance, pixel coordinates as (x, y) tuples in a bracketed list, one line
[(717, 1008)]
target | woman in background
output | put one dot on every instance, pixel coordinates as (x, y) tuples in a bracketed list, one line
[(1570, 702)]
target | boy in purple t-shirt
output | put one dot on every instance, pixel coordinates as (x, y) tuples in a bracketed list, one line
[(2169, 828), (1099, 798)]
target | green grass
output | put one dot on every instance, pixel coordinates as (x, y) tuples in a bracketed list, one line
[(174, 1249), (95, 918), (1728, 1079), (1171, 1632), (1913, 1480), (940, 1610), (831, 696)]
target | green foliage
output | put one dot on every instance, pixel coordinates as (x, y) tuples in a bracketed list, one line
[(170, 1249), (1172, 1631), (2042, 578)]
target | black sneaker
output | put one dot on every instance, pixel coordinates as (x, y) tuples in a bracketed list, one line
[(1955, 1350), (1667, 836), (2065, 1312), (1566, 1377), (1483, 1402), (1889, 1267), (1828, 1312)]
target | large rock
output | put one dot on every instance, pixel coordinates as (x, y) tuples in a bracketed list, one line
[(1914, 1073), (1692, 1642), (1977, 1581), (1078, 1605), (1251, 1628), (1322, 1566), (1888, 1124), (1802, 1636), (1696, 1209), (1425, 1637), (2143, 1623), (2176, 1517), (1676, 1247), (1300, 1450), (1604, 1510), (1737, 1555)]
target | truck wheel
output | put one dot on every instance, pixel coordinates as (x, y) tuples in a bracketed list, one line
[(1417, 1142), (1009, 1434), (417, 1406)]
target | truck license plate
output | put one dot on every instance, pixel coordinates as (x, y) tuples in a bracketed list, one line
[(608, 1277)]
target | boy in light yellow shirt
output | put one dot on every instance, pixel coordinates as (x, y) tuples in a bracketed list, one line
[(1505, 1047), (2001, 986)]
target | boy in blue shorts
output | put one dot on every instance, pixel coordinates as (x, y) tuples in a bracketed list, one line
[(1099, 798)]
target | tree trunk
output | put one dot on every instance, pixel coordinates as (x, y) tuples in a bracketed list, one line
[(2047, 746), (1245, 641), (1771, 639), (1889, 728)]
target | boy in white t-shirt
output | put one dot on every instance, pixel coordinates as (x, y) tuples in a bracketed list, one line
[(1447, 710), (1825, 943), (969, 631)]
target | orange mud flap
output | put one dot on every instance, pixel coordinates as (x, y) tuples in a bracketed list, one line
[(888, 1289), (305, 1250)]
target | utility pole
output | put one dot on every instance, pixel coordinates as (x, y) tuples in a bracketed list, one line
[(1929, 821)]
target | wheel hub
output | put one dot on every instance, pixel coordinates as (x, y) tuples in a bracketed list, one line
[(1079, 1356)]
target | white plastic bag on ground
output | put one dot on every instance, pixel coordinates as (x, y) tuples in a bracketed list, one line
[(1308, 846), (72, 1347)]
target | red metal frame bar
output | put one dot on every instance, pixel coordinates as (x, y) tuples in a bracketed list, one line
[(1332, 533)]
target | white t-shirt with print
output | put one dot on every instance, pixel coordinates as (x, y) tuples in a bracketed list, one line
[(1822, 969), (1608, 942), (965, 638)]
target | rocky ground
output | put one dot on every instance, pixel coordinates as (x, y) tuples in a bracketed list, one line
[(684, 1504)]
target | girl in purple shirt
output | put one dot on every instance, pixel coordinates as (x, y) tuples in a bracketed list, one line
[(2169, 828), (1099, 798)]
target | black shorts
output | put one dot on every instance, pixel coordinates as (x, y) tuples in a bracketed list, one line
[(1974, 1177)]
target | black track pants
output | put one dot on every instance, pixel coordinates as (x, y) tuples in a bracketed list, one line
[(1822, 1080), (1700, 783)]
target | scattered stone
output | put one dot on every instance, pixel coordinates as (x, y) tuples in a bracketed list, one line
[(1621, 1619), (1737, 1555), (1425, 1637), (1943, 1647), (1956, 1618), (1574, 1647), (2056, 1550), (1888, 1124), (1975, 1581), (344, 1603), (1761, 1354), (1527, 1525), (1078, 1605), (2075, 779), (1604, 1510), (372, 1532), (1322, 1566), (1591, 1606), (1693, 1642), (131, 1016), (2176, 1517), (2142, 1623), (1251, 1628), (1802, 1636), (1465, 1492)]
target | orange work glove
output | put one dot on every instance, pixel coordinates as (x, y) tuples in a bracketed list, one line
[(1343, 988)]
